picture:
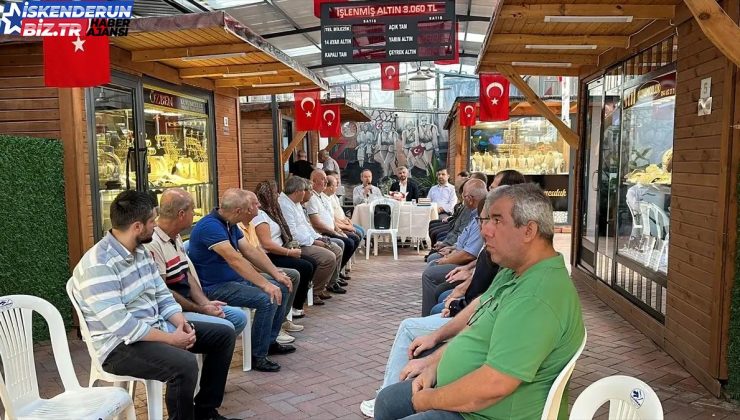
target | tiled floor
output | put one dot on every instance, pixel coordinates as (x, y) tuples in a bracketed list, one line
[(341, 354)]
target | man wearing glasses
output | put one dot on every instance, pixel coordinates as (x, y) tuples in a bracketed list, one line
[(506, 348)]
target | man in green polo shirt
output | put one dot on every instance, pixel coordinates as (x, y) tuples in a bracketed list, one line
[(506, 348)]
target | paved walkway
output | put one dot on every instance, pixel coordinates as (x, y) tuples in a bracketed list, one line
[(341, 354)]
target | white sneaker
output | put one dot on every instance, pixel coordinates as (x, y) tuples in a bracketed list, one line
[(298, 312), (368, 407), (284, 338), (289, 326)]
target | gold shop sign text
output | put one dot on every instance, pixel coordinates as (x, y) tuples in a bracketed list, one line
[(652, 90)]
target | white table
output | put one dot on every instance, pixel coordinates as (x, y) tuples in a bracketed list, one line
[(413, 222)]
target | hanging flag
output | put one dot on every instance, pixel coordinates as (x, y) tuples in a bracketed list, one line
[(307, 109), (389, 77), (456, 53), (331, 124), (317, 6), (79, 61), (466, 111), (494, 97)]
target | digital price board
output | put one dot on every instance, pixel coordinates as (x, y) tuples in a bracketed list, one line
[(387, 31)]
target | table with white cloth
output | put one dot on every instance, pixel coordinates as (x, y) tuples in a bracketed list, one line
[(412, 223)]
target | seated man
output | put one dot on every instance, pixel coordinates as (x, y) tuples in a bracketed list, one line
[(301, 166), (176, 215), (137, 328), (506, 348), (340, 219), (224, 262), (443, 194), (366, 192), (466, 248), (405, 188)]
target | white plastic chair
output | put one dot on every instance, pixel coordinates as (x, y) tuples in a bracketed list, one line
[(20, 397), (555, 396), (153, 388), (393, 231), (629, 399)]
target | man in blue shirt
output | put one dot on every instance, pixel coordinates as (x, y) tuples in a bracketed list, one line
[(465, 250), (225, 263)]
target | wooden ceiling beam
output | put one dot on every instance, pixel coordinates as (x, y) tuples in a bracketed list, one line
[(602, 41), (539, 11), (217, 71), (570, 136), (274, 90), (507, 58), (285, 154), (535, 71), (717, 26), (249, 81), (138, 56)]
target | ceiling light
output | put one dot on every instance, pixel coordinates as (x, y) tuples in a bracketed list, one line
[(250, 74), (588, 19), (420, 75), (560, 47), (539, 64), (300, 51), (214, 56), (268, 85)]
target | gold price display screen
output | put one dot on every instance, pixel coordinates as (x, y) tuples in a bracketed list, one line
[(387, 31)]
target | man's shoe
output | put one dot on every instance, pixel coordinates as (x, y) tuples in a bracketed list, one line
[(263, 364), (284, 338), (335, 288), (317, 301), (324, 295), (342, 283), (368, 407), (277, 348), (289, 326), (299, 313), (344, 277), (210, 414)]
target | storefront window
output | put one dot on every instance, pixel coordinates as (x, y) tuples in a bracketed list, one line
[(177, 140), (645, 172)]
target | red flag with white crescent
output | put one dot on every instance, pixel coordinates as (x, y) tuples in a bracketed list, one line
[(389, 77), (467, 113), (79, 61), (307, 105), (330, 121), (494, 97)]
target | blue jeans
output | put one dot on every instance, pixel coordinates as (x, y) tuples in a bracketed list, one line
[(359, 231), (233, 317), (268, 317), (409, 329), (437, 309), (394, 403)]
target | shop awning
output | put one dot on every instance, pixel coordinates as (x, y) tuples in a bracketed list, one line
[(217, 47), (349, 111), (566, 37)]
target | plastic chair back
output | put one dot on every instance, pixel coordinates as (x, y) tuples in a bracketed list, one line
[(395, 212), (16, 350), (555, 396), (84, 331), (629, 399)]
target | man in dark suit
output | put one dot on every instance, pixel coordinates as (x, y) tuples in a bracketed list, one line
[(405, 186)]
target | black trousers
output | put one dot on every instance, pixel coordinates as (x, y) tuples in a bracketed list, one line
[(305, 266), (351, 242), (437, 229), (179, 369)]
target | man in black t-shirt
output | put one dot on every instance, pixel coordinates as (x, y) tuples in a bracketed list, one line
[(301, 167)]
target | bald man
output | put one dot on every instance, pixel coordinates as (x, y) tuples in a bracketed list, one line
[(226, 262)]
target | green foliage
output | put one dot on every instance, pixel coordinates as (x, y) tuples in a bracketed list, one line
[(733, 350), (430, 179), (33, 226)]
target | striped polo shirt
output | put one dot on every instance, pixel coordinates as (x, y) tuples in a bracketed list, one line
[(121, 295), (171, 259)]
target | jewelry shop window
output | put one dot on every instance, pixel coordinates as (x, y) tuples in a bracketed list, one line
[(177, 141)]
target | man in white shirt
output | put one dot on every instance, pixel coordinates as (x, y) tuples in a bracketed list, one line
[(327, 254), (443, 194), (340, 219), (366, 191)]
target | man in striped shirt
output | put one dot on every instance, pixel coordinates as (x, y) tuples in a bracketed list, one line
[(137, 328)]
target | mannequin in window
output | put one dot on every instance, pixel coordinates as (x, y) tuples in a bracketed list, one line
[(477, 162), (487, 162)]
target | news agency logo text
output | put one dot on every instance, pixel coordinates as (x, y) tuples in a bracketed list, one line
[(64, 18)]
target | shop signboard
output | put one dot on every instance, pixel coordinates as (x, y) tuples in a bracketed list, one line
[(387, 31), (168, 100), (555, 187), (652, 90)]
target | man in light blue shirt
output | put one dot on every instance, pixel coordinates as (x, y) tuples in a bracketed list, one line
[(443, 194), (465, 250)]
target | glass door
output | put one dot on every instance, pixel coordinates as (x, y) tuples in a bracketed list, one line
[(590, 193), (117, 152)]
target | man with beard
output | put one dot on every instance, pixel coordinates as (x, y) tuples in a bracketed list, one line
[(137, 327), (405, 188)]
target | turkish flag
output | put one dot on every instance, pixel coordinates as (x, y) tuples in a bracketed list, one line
[(307, 109), (317, 6), (494, 97), (456, 53), (330, 122), (82, 61), (389, 77), (467, 113)]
